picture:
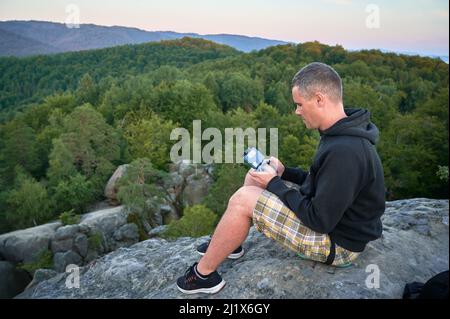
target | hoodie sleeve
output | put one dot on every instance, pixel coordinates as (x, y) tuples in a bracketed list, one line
[(294, 175), (338, 180)]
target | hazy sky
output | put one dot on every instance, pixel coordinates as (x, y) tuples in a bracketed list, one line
[(401, 25)]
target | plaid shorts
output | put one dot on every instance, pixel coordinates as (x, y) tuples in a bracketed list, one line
[(276, 221)]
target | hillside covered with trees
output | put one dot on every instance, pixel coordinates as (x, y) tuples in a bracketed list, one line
[(68, 120)]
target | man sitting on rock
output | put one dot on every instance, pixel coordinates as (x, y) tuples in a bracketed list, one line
[(337, 209)]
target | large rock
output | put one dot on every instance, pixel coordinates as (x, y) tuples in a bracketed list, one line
[(186, 168), (173, 184), (109, 227), (187, 184), (128, 232), (106, 221), (409, 250), (66, 232), (196, 189), (81, 245), (41, 275), (62, 260), (111, 188), (12, 280), (24, 245)]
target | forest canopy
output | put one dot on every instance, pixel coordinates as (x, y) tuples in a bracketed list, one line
[(68, 120)]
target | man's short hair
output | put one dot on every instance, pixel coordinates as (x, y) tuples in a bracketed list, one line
[(321, 77)]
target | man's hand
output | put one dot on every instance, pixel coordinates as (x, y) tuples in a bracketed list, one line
[(277, 165), (260, 179)]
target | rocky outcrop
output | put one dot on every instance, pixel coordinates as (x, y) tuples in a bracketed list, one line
[(186, 184), (414, 247), (23, 245), (97, 233)]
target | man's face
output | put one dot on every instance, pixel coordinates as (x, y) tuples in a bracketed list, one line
[(307, 110)]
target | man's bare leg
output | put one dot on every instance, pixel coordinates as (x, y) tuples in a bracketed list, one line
[(232, 229)]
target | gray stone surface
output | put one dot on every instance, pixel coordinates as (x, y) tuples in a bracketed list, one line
[(106, 220), (81, 245), (61, 245), (65, 232), (61, 260), (127, 232), (157, 231), (24, 245), (173, 183), (196, 189), (41, 275), (408, 251), (111, 188), (186, 168)]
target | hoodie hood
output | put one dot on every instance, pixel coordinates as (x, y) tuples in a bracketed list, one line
[(357, 123)]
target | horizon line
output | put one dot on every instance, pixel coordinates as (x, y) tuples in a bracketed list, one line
[(384, 50)]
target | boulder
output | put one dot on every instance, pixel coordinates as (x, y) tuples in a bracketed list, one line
[(66, 232), (24, 245), (128, 232), (157, 231), (80, 245), (173, 184), (62, 260), (41, 275), (149, 269), (196, 189), (61, 245), (186, 168), (106, 221), (111, 188)]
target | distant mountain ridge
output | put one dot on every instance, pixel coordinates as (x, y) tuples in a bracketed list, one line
[(25, 38)]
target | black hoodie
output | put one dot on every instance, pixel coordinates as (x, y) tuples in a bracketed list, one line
[(343, 193)]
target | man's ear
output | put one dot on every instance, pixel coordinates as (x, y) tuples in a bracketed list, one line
[(320, 99)]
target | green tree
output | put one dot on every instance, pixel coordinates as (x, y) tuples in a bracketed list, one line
[(148, 136), (74, 193), (166, 73), (278, 95), (239, 90), (409, 150), (183, 102), (28, 202), (19, 148), (87, 91), (197, 221), (294, 153), (89, 137), (266, 116), (89, 144), (382, 107), (228, 179), (139, 191), (61, 163)]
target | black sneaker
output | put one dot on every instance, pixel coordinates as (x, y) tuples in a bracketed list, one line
[(192, 283), (239, 252)]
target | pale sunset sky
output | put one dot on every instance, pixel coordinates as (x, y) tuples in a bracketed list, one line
[(419, 26)]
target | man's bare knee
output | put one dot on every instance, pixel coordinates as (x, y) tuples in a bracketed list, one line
[(244, 199)]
